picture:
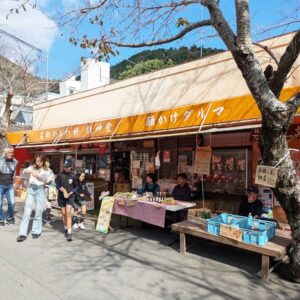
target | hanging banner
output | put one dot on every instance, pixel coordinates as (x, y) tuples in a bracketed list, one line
[(221, 111), (266, 176), (231, 232), (202, 160), (105, 214)]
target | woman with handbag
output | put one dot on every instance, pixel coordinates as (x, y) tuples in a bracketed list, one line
[(82, 195), (36, 198)]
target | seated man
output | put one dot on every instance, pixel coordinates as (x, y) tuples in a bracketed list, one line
[(250, 204), (182, 190)]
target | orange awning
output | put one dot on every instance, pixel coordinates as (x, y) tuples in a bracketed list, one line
[(239, 109)]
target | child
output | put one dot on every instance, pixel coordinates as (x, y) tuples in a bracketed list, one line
[(67, 187), (36, 197), (79, 202)]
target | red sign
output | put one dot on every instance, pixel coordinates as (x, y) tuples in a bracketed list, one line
[(102, 150), (167, 156)]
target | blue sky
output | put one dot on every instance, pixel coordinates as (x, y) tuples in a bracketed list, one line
[(64, 58)]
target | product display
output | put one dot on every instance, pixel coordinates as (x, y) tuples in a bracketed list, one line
[(229, 172)]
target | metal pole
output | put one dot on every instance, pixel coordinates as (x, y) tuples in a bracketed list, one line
[(202, 187), (201, 40), (47, 75)]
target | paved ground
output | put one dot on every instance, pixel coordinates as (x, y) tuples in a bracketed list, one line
[(130, 264)]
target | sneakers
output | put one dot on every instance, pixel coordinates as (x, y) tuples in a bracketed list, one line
[(66, 232), (2, 223), (81, 226), (69, 237), (75, 226), (21, 238), (10, 221), (35, 235)]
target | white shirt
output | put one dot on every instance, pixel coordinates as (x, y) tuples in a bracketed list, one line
[(42, 178)]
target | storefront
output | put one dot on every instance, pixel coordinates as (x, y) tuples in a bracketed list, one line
[(118, 133)]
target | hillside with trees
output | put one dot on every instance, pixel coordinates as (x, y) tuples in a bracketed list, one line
[(167, 57)]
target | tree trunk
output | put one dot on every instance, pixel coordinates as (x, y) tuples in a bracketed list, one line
[(276, 120), (6, 119), (274, 147)]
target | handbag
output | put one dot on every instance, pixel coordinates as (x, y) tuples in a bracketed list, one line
[(23, 195), (52, 193)]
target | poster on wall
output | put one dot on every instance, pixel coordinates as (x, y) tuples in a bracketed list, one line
[(136, 182), (105, 214), (166, 156), (150, 167), (266, 176), (136, 164), (78, 163), (182, 160), (265, 195), (91, 189), (202, 160)]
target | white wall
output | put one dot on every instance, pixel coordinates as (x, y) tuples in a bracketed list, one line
[(65, 87), (212, 78), (94, 74)]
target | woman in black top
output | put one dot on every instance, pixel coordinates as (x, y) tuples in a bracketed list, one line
[(80, 197)]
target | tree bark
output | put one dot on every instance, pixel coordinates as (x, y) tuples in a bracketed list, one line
[(6, 119), (277, 116)]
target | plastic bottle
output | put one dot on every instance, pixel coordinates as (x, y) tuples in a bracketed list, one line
[(249, 222)]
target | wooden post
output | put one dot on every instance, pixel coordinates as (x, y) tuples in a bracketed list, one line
[(265, 267), (182, 243)]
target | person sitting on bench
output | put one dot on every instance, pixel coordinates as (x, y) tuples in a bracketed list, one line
[(182, 190), (250, 204)]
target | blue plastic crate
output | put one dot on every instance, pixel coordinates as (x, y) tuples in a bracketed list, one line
[(258, 232), (213, 224)]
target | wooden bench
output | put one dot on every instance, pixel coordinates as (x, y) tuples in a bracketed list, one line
[(274, 248)]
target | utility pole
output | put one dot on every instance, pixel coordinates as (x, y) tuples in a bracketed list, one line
[(47, 75)]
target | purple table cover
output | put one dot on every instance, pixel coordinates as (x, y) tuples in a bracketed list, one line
[(143, 211)]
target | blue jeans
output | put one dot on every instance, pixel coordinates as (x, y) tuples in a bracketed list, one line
[(8, 192), (36, 197)]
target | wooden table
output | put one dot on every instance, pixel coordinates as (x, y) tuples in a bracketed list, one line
[(274, 248)]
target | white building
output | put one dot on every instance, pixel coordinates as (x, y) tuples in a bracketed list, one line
[(93, 74)]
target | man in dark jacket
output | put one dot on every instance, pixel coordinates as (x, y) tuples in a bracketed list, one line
[(7, 172), (250, 204), (182, 190)]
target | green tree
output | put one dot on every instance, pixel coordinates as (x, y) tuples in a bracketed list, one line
[(178, 56), (146, 67)]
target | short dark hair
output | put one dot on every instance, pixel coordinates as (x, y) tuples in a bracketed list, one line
[(152, 176), (252, 189), (182, 175)]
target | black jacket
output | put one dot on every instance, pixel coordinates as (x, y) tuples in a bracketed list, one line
[(254, 208), (68, 181), (82, 189), (182, 193)]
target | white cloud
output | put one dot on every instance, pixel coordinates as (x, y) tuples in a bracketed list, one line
[(32, 26)]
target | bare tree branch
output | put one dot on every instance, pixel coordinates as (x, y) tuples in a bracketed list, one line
[(285, 64), (186, 30), (268, 50)]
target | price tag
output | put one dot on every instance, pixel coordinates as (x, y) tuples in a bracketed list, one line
[(231, 232)]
